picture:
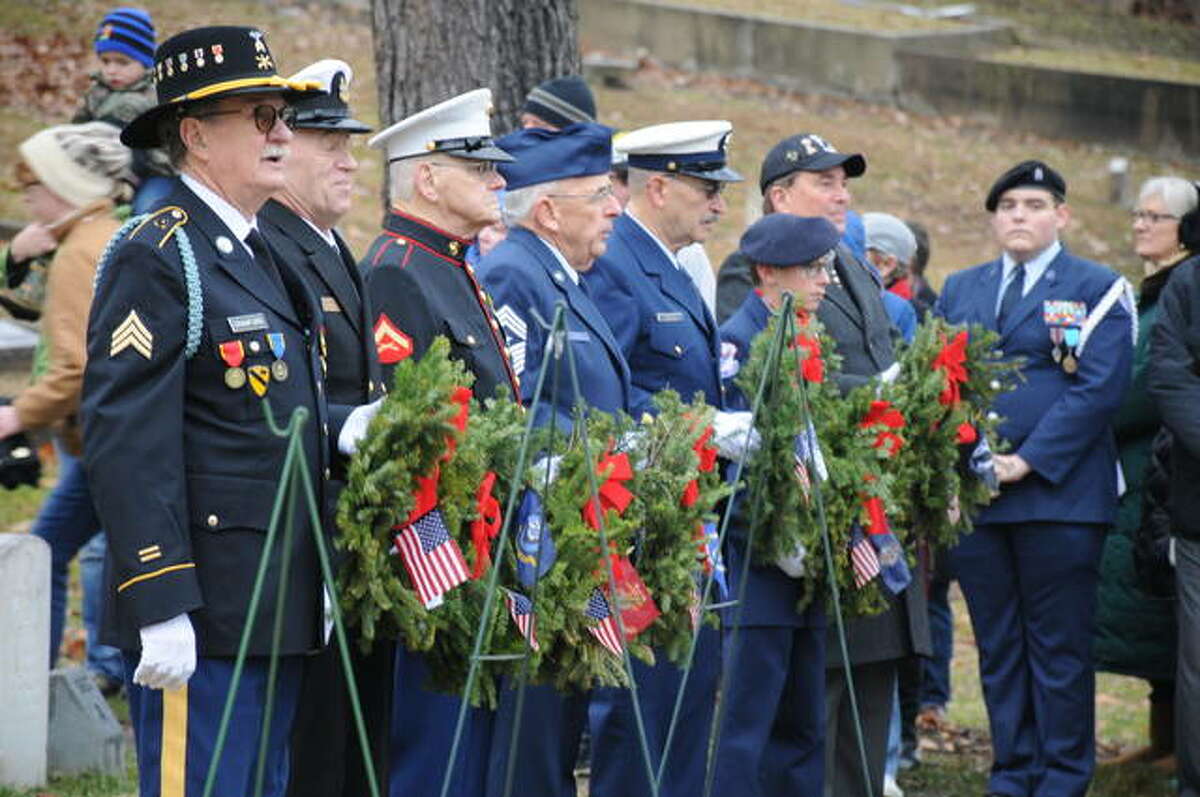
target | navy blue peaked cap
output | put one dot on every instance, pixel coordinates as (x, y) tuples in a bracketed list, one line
[(541, 156)]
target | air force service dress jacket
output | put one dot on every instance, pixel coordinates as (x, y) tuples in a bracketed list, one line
[(182, 462)]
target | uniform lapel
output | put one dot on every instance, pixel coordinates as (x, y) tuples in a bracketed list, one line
[(238, 263), (672, 279)]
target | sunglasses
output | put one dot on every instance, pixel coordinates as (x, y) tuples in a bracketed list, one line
[(710, 188), (265, 116)]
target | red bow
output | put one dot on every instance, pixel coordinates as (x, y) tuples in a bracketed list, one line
[(966, 433), (877, 522), (708, 459), (486, 526), (951, 360), (462, 397), (614, 469), (882, 412), (425, 497), (813, 367)]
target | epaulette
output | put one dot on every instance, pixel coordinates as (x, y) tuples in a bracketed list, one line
[(161, 224)]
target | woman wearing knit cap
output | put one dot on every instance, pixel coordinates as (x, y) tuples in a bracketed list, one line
[(70, 176), (122, 88)]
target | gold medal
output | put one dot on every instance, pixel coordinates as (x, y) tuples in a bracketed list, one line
[(1070, 364), (235, 378), (279, 370)]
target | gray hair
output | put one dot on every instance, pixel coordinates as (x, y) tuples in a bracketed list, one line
[(518, 203), (168, 129), (401, 174), (638, 178), (1178, 195)]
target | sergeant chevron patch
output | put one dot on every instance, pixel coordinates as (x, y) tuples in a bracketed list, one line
[(132, 333), (391, 343)]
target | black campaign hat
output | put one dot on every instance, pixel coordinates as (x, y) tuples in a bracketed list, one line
[(204, 63), (807, 152), (329, 108), (1026, 174)]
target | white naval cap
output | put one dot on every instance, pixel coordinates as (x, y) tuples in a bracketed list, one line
[(693, 148), (329, 109), (460, 126)]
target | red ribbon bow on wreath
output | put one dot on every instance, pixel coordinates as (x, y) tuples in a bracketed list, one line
[(615, 470), (708, 459), (462, 397), (883, 413), (486, 526), (951, 361)]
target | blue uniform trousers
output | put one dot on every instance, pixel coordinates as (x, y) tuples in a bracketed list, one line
[(1031, 592), (551, 725), (773, 727), (935, 671), (176, 732), (618, 766), (423, 723)]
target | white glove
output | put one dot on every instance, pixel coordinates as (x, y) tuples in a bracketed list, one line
[(545, 470), (889, 374), (793, 563), (733, 435), (355, 427), (168, 654)]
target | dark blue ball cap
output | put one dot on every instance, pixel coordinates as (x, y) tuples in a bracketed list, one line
[(782, 240), (806, 152), (542, 156), (1026, 174)]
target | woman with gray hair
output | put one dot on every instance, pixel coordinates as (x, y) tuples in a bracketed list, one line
[(1135, 629)]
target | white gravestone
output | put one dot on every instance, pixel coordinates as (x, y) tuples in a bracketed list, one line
[(24, 669)]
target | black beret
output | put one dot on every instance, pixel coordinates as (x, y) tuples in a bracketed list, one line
[(806, 152), (1027, 174), (781, 239)]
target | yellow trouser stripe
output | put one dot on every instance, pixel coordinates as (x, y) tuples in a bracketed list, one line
[(172, 761), (155, 574)]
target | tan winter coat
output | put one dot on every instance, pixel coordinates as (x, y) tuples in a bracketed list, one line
[(53, 400)]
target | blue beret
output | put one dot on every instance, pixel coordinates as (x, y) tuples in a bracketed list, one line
[(1026, 174), (781, 239), (542, 156)]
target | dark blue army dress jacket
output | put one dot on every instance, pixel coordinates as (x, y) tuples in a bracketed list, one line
[(526, 281), (182, 465), (1057, 420), (665, 330), (771, 594)]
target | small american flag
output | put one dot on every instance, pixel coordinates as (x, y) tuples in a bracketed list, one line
[(432, 559), (605, 629), (521, 609), (862, 557)]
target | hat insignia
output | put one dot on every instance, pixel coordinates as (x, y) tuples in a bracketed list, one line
[(218, 51), (259, 45), (183, 66), (792, 155), (198, 57), (264, 61), (170, 64), (106, 32), (1037, 174)]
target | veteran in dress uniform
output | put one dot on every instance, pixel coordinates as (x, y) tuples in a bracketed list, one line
[(1030, 568), (443, 182), (560, 208), (193, 323), (299, 226), (669, 337), (773, 726)]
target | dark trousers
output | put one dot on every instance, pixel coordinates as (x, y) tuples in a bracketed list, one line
[(327, 757), (772, 740), (551, 725), (1187, 675), (875, 690), (175, 733), (935, 671), (1031, 592), (618, 765)]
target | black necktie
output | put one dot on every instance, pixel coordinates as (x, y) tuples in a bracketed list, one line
[(263, 259), (1012, 294)]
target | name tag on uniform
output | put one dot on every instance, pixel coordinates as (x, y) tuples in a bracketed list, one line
[(330, 305), (251, 322), (668, 318), (578, 337)]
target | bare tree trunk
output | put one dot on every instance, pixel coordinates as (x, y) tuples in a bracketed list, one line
[(427, 51)]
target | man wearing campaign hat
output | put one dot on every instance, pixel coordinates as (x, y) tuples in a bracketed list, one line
[(299, 226), (443, 181), (194, 322), (669, 338), (773, 725), (560, 209), (1029, 569)]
